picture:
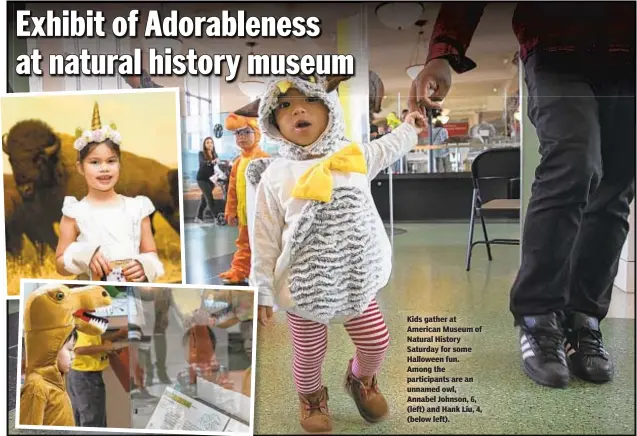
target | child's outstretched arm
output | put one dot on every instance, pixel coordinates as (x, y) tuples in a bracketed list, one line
[(386, 150), (95, 350), (266, 247)]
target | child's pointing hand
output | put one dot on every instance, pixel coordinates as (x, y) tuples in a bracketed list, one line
[(417, 120)]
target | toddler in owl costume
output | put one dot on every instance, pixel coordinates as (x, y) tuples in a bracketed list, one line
[(319, 247)]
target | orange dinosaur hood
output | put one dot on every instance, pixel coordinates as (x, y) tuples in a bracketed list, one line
[(236, 122)]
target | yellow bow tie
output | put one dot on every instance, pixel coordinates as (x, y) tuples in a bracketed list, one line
[(316, 183)]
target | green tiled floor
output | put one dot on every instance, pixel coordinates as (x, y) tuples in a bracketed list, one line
[(429, 279)]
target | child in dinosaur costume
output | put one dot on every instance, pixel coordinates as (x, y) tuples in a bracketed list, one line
[(320, 251), (51, 314), (247, 135)]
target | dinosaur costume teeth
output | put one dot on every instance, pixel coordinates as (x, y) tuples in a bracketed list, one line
[(95, 321)]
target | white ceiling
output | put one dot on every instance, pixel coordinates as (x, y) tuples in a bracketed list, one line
[(390, 51)]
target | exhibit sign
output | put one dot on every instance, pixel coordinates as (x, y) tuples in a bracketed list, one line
[(176, 411)]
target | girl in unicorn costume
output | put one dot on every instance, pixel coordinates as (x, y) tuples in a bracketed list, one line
[(105, 235), (319, 248)]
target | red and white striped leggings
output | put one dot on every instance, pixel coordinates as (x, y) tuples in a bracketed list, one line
[(309, 343)]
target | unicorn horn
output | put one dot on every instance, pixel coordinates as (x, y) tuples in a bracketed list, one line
[(96, 123)]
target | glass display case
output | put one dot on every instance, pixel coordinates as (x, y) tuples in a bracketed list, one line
[(455, 156), (179, 359), (189, 357)]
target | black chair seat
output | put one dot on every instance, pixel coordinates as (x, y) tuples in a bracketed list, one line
[(496, 163)]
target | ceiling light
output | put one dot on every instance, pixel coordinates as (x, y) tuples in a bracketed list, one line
[(399, 15), (416, 66), (414, 70), (161, 44), (495, 89), (252, 88), (249, 87), (443, 119)]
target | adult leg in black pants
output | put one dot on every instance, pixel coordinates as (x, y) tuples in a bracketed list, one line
[(207, 201), (576, 221)]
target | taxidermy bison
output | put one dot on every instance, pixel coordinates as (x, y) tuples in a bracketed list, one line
[(44, 172), (26, 219)]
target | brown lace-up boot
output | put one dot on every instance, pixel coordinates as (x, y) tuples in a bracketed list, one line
[(315, 416), (370, 402)]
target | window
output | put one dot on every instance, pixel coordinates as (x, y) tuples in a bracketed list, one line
[(202, 114), (108, 45)]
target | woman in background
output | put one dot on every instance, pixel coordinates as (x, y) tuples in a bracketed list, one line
[(207, 159)]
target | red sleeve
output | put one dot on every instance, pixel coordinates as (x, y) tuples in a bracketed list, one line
[(454, 28)]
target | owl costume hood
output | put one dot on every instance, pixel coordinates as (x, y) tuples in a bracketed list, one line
[(319, 247), (332, 139), (50, 314)]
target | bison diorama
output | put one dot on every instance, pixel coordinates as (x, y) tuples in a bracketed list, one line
[(44, 172)]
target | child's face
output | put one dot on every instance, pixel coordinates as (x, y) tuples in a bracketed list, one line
[(100, 168), (244, 138), (66, 356), (301, 119)]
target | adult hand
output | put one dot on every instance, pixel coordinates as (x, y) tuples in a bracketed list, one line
[(431, 86), (108, 345), (99, 266), (264, 315), (122, 333)]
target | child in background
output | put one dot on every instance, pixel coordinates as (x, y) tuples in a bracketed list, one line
[(85, 381), (319, 248), (247, 136), (51, 314), (106, 236), (35, 400), (200, 343)]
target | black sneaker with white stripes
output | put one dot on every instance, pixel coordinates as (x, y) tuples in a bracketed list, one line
[(542, 347), (587, 358)]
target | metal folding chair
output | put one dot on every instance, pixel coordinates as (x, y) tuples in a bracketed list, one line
[(493, 164)]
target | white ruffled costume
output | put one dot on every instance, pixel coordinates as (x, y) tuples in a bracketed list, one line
[(113, 229)]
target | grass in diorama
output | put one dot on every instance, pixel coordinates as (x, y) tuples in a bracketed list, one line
[(26, 266)]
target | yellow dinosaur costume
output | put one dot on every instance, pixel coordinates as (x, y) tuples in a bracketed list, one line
[(50, 315), (236, 198)]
